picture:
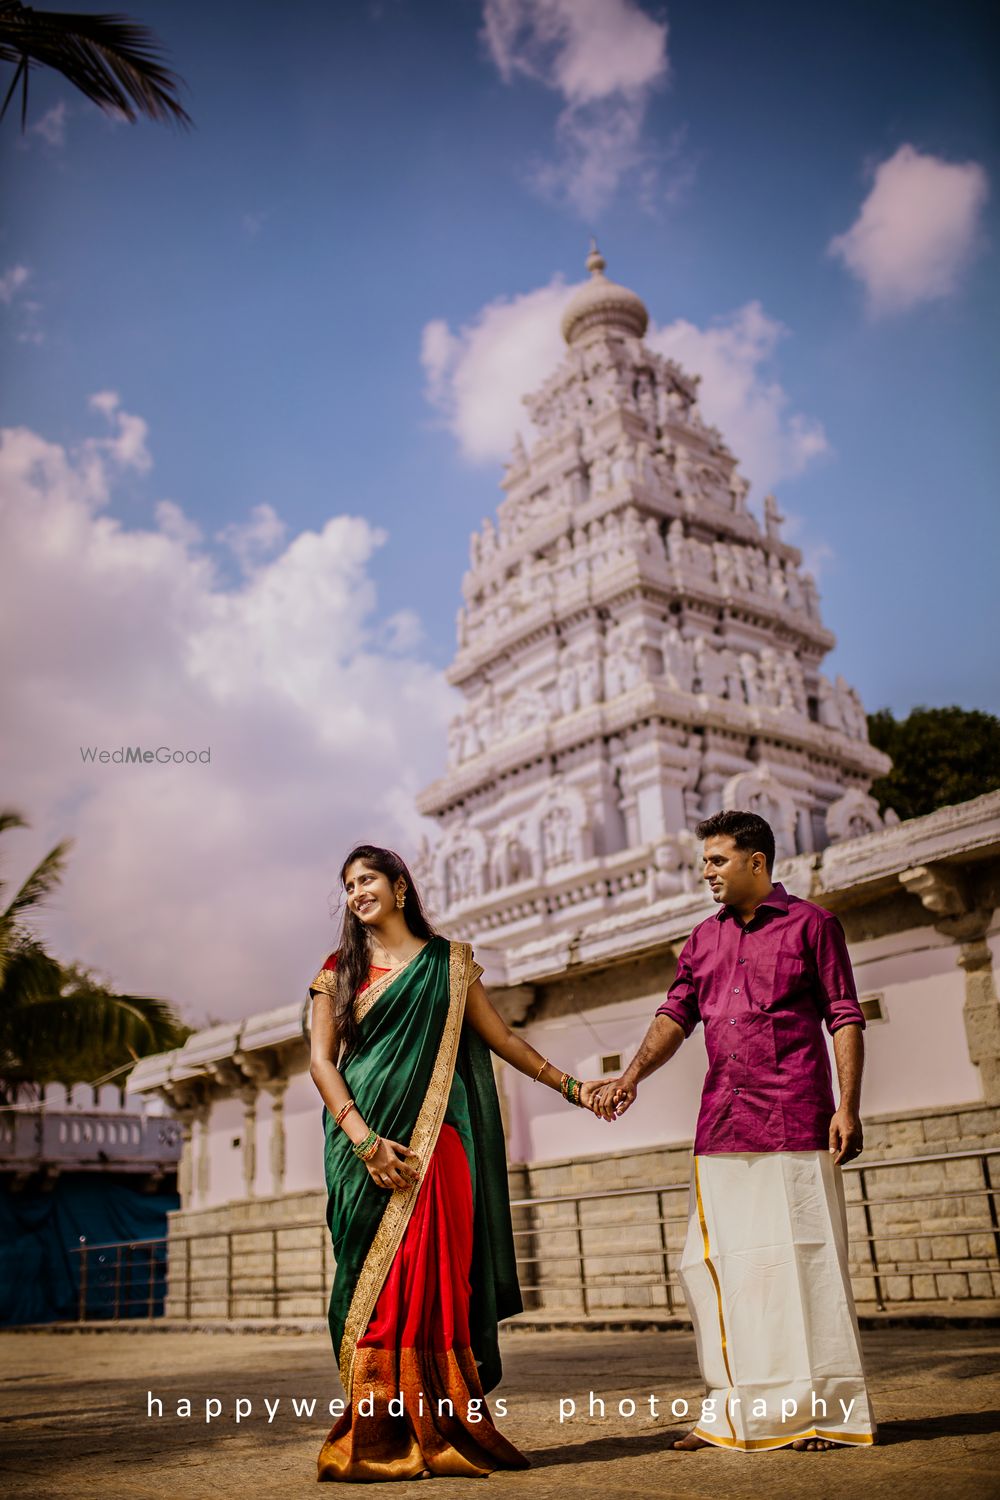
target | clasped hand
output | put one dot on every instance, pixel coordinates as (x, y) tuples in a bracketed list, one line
[(394, 1166), (607, 1099)]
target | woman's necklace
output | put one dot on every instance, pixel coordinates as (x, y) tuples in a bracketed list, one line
[(394, 962)]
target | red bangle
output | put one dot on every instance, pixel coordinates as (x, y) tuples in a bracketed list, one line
[(346, 1109)]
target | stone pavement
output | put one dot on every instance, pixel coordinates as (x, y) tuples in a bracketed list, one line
[(74, 1420)]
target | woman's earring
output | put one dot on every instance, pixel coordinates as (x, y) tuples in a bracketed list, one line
[(400, 900)]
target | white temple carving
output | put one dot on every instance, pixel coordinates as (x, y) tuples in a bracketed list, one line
[(635, 651)]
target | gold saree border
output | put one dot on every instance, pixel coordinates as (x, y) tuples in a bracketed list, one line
[(367, 998), (325, 983), (462, 972)]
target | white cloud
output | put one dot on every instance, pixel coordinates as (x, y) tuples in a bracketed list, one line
[(11, 283), (603, 57), (205, 883), (172, 521), (52, 126), (916, 231), (251, 541), (740, 394), (127, 448), (477, 377)]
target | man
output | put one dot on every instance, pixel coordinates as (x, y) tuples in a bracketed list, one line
[(764, 1268)]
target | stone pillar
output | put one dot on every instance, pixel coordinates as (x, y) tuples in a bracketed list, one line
[(248, 1095), (982, 1012), (202, 1172), (185, 1167), (277, 1089), (944, 892)]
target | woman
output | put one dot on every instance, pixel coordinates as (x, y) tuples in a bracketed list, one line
[(417, 1179)]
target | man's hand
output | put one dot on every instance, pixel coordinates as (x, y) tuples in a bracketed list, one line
[(846, 1136), (611, 1099)]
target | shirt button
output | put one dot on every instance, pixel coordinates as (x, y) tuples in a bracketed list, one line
[(735, 992), (732, 1023), (735, 1091), (741, 960), (732, 1054)]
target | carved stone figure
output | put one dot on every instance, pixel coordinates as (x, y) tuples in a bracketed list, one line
[(675, 543), (750, 672), (590, 677), (710, 671), (678, 660), (724, 573), (852, 816), (557, 834), (810, 596), (772, 518), (568, 687), (829, 712)]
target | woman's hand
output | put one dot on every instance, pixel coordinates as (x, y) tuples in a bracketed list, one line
[(610, 1100), (394, 1166)]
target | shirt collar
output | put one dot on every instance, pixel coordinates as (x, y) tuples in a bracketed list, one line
[(777, 898)]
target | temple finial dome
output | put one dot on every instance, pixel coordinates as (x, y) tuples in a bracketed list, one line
[(601, 304)]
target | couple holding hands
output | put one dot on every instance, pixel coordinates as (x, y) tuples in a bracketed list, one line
[(416, 1169)]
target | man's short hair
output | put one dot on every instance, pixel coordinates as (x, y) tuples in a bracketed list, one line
[(748, 831)]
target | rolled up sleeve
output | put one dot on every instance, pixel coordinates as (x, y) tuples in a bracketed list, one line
[(681, 1004), (838, 994)]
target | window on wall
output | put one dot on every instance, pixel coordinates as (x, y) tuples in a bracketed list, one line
[(873, 1007), (611, 1062)]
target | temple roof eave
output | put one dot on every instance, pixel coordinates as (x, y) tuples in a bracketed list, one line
[(689, 711), (843, 875)]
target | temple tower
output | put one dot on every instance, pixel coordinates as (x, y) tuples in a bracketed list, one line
[(635, 651)]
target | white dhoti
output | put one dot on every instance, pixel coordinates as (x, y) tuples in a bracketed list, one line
[(765, 1274)]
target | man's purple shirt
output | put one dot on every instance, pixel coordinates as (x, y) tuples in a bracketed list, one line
[(764, 991)]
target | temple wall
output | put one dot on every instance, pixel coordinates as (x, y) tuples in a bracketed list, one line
[(271, 1257)]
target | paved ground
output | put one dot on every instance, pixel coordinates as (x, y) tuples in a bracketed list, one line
[(74, 1421)]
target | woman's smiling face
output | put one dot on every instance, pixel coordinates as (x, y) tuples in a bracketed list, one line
[(369, 895)]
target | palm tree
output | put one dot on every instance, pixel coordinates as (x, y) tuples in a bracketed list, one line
[(115, 61), (58, 1023)]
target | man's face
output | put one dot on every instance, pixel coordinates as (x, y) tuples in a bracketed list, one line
[(733, 874)]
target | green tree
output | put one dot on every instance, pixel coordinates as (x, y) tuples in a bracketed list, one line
[(115, 61), (58, 1023), (940, 756)]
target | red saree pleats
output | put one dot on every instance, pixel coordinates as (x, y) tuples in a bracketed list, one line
[(417, 1403)]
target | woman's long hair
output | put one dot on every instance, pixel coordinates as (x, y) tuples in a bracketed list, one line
[(354, 953)]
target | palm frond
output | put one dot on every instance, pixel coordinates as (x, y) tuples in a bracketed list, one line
[(115, 61), (10, 818), (41, 882)]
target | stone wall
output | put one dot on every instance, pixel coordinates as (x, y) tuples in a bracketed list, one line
[(271, 1257)]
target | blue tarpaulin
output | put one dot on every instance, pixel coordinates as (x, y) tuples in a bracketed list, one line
[(39, 1230)]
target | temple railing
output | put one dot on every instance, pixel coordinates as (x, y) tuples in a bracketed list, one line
[(924, 1232)]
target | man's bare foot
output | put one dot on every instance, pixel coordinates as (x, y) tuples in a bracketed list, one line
[(813, 1445), (689, 1442)]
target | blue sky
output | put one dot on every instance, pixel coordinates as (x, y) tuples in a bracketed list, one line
[(257, 292)]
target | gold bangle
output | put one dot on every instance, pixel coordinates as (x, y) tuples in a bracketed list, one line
[(545, 1063), (346, 1109)]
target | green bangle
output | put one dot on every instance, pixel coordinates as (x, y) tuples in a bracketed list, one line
[(570, 1088), (366, 1149)]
